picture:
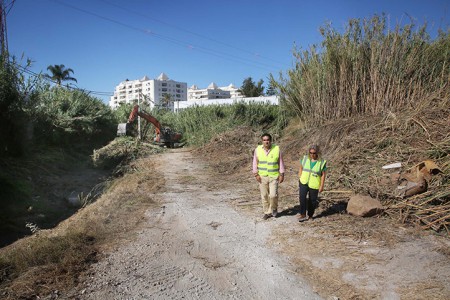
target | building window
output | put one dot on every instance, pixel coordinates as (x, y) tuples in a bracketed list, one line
[(178, 85), (164, 84)]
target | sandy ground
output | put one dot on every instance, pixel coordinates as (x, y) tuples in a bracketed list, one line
[(206, 240)]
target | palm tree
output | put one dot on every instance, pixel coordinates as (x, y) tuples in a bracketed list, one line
[(166, 100), (59, 73)]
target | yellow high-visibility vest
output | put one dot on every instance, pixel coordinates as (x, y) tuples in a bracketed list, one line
[(268, 164), (309, 176)]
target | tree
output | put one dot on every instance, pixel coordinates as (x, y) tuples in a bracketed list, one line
[(59, 73), (271, 91), (250, 89), (166, 100)]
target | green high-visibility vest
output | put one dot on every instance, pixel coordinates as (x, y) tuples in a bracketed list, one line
[(312, 176), (268, 164)]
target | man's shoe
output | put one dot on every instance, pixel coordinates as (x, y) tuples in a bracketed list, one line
[(303, 218), (265, 217), (275, 214)]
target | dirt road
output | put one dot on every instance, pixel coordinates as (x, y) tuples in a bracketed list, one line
[(196, 246), (206, 240)]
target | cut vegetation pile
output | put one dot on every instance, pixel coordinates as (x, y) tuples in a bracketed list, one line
[(121, 151), (358, 148), (231, 152)]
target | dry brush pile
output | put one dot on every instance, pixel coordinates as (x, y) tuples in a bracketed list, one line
[(357, 149)]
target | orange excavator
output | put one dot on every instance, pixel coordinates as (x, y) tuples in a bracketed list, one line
[(165, 136)]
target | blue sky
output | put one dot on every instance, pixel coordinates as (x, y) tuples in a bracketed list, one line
[(198, 42)]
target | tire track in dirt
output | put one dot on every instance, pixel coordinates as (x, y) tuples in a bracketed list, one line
[(195, 246)]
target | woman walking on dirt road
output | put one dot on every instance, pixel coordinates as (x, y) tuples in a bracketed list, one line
[(268, 169), (311, 179)]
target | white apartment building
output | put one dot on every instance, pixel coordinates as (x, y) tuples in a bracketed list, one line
[(155, 92), (213, 92), (234, 91)]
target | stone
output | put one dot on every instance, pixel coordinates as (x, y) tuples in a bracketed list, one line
[(364, 206)]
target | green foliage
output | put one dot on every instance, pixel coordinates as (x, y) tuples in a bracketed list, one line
[(122, 112), (271, 90), (72, 118), (11, 111), (251, 89), (200, 123), (34, 115), (367, 70)]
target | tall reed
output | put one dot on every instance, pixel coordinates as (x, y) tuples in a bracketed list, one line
[(200, 123), (367, 70)]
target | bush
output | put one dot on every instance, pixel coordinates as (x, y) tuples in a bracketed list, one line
[(72, 118)]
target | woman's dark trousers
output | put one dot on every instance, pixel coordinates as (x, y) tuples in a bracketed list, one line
[(307, 204)]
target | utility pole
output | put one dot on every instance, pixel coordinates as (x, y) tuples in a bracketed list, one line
[(3, 38), (4, 10), (139, 118)]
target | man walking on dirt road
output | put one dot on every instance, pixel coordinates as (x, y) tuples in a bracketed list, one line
[(268, 169)]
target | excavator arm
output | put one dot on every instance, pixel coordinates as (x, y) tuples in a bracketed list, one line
[(135, 112), (164, 135)]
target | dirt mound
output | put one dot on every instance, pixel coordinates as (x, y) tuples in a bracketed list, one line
[(232, 151)]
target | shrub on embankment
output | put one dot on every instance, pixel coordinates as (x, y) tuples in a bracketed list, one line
[(43, 130), (369, 69), (35, 114)]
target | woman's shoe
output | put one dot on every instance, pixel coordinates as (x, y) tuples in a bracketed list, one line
[(302, 218)]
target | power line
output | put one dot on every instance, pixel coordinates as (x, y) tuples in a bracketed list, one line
[(175, 41), (9, 6), (73, 87), (190, 32)]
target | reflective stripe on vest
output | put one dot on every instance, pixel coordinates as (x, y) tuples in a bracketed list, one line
[(268, 164), (309, 176)]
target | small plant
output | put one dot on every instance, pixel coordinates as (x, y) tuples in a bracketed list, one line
[(34, 228)]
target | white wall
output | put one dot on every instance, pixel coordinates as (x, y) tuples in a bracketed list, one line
[(185, 104)]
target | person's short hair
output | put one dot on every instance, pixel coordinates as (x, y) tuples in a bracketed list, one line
[(268, 135), (314, 147)]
